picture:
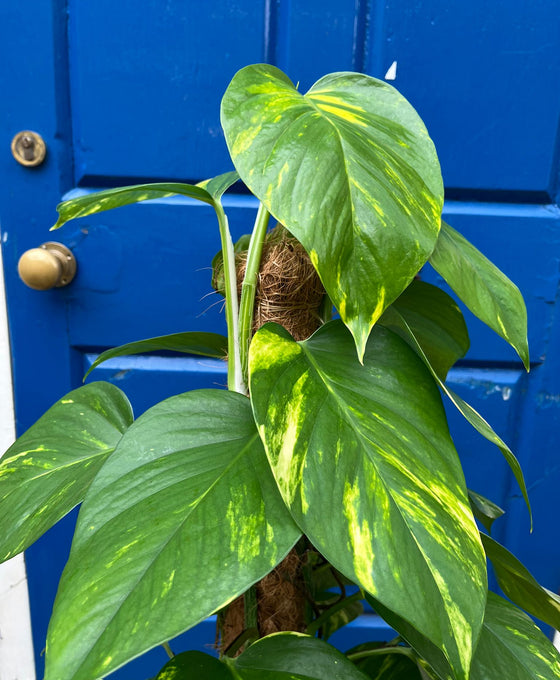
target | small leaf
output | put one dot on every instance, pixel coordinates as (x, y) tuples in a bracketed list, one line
[(352, 173), (519, 585), (384, 666), (100, 201), (485, 511), (194, 666), (294, 656), (437, 323), (47, 471), (467, 411), (217, 186), (183, 518), (206, 344), (486, 291), (512, 647), (374, 440)]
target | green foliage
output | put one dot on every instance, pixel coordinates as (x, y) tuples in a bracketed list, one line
[(344, 438)]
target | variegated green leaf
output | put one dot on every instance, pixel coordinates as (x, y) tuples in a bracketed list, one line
[(194, 666), (206, 344), (437, 322), (395, 319), (99, 201), (47, 471), (183, 518), (350, 170), (372, 443), (512, 647), (486, 291), (520, 586)]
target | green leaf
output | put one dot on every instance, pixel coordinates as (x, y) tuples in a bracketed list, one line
[(294, 656), (194, 666), (217, 186), (182, 519), (485, 511), (395, 319), (206, 344), (437, 323), (47, 471), (519, 584), (416, 639), (373, 439), (486, 291), (115, 198), (512, 647), (383, 665), (351, 172)]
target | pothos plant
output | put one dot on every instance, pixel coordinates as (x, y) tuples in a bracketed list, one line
[(336, 444)]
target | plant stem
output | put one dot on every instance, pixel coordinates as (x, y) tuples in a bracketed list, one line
[(405, 651), (235, 374), (168, 649), (249, 287), (314, 626)]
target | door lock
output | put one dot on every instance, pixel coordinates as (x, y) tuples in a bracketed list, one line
[(29, 148), (51, 265)]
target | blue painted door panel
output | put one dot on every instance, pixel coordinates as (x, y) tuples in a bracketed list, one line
[(124, 92)]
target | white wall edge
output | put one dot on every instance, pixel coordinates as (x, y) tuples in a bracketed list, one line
[(16, 646)]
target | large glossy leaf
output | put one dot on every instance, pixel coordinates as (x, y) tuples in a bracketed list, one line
[(363, 458), (437, 323), (519, 584), (183, 518), (47, 471), (486, 291), (350, 170), (394, 319), (205, 344), (512, 647)]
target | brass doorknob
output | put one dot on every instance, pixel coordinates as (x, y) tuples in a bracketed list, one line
[(51, 265)]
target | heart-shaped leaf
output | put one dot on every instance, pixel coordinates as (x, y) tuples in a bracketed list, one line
[(519, 584), (350, 170), (182, 519), (48, 470), (206, 344), (486, 291), (437, 323), (512, 647), (373, 442)]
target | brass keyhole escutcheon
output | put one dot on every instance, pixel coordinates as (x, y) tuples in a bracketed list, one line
[(51, 265), (29, 148)]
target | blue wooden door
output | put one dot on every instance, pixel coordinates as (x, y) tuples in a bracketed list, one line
[(126, 92)]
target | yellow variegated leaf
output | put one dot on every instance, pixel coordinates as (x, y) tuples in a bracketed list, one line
[(363, 459), (182, 519), (350, 170)]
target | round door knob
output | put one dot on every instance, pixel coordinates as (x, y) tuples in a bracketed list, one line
[(51, 265)]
